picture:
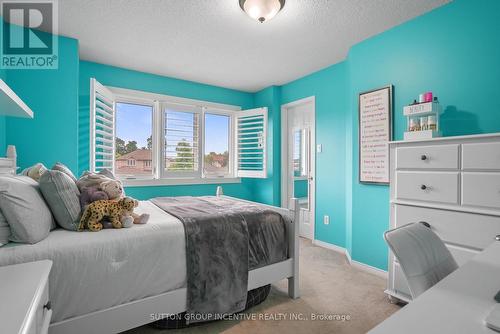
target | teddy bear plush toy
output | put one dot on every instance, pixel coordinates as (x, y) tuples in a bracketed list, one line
[(35, 171), (114, 190), (91, 194)]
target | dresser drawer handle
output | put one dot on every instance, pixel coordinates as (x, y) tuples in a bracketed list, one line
[(423, 187), (497, 238), (423, 157), (426, 224)]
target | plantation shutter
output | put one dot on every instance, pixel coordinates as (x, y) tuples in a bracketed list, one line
[(182, 135), (251, 133), (102, 127)]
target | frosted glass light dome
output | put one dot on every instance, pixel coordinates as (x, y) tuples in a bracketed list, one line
[(262, 10)]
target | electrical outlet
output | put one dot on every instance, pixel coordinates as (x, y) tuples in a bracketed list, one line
[(319, 148), (326, 219)]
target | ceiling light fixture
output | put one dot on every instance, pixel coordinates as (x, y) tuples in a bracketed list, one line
[(262, 10)]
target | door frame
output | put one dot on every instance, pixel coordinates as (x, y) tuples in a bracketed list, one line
[(284, 157)]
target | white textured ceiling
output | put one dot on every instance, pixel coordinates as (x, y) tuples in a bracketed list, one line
[(215, 42)]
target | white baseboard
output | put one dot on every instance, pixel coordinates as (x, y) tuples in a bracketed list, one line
[(365, 267), (369, 269), (330, 246), (348, 256)]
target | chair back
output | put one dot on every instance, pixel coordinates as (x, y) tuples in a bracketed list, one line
[(422, 255)]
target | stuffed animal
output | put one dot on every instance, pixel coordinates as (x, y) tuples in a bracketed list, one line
[(136, 219), (94, 213), (91, 194), (89, 179), (35, 171), (140, 219), (113, 188), (127, 221)]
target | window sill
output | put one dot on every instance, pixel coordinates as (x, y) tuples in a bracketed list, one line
[(178, 181)]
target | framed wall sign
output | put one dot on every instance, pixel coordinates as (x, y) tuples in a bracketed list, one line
[(375, 131)]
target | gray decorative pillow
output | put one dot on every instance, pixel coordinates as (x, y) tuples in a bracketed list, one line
[(4, 230), (63, 197), (23, 206), (63, 168)]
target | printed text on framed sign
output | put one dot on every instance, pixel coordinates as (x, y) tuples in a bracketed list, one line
[(375, 131)]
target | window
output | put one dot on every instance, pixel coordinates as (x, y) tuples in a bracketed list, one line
[(153, 139), (216, 151), (134, 139), (299, 149)]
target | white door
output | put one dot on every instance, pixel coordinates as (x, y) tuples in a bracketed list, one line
[(298, 162)]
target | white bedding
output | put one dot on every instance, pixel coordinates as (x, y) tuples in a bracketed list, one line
[(97, 270)]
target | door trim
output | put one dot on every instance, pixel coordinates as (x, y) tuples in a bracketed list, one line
[(284, 156)]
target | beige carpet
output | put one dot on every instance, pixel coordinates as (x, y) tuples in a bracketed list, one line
[(329, 285)]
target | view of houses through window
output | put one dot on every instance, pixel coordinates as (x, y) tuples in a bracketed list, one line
[(216, 144), (134, 145)]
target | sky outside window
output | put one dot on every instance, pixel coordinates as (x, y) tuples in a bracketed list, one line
[(216, 143), (133, 143)]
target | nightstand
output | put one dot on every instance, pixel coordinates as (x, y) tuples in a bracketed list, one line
[(24, 298)]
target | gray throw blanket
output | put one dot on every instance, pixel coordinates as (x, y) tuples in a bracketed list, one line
[(224, 240)]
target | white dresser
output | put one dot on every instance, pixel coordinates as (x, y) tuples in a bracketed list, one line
[(24, 298), (452, 184)]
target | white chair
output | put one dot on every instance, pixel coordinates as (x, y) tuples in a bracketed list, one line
[(422, 255)]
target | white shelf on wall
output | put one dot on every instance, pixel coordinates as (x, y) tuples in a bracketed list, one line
[(11, 104)]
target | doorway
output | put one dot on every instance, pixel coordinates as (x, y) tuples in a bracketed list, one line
[(298, 143)]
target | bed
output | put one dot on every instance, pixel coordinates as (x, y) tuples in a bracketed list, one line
[(115, 280)]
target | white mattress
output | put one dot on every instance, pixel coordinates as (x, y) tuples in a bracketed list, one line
[(97, 270)]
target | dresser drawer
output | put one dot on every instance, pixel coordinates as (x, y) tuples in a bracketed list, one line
[(427, 157), (467, 229), (481, 156), (427, 186), (481, 189)]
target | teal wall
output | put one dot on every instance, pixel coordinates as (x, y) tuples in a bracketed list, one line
[(119, 77), (3, 139), (329, 86), (53, 96), (459, 61), (268, 190), (300, 188), (3, 135)]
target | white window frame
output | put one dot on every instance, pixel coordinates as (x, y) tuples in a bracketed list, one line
[(231, 144), (159, 175)]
